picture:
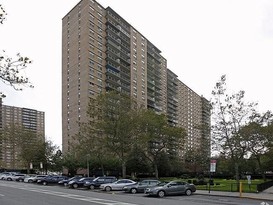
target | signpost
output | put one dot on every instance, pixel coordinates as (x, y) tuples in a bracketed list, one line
[(212, 169), (249, 181), (212, 165)]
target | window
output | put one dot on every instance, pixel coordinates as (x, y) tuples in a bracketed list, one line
[(99, 16), (92, 32), (99, 9), (99, 38), (99, 24)]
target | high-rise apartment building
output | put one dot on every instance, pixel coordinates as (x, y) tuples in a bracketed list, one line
[(26, 118), (101, 51)]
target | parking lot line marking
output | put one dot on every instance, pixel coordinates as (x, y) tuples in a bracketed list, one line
[(71, 196)]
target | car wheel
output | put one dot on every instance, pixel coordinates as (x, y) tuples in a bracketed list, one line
[(188, 192), (21, 180), (8, 179), (75, 186), (92, 187), (30, 181), (133, 190), (161, 194), (108, 188), (44, 183)]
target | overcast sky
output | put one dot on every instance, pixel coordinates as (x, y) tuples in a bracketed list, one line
[(201, 40)]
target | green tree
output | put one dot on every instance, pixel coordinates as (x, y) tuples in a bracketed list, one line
[(56, 164), (111, 119), (91, 145), (137, 163), (72, 163), (258, 138), (29, 143), (10, 143), (229, 114), (156, 136), (47, 151), (22, 144)]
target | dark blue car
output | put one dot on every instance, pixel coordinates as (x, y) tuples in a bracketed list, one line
[(51, 180), (77, 183), (66, 181)]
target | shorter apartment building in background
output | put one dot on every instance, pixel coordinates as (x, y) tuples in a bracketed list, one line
[(25, 118)]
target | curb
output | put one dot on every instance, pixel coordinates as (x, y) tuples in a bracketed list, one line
[(246, 197)]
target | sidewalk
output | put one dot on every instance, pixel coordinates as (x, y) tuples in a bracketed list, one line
[(265, 195)]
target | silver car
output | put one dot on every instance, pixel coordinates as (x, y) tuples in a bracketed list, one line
[(33, 178), (171, 188), (117, 185), (140, 186)]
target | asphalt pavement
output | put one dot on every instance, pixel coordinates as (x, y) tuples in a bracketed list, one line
[(264, 195)]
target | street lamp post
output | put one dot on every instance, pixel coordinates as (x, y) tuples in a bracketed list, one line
[(87, 165)]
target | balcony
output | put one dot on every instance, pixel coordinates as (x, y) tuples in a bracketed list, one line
[(123, 31)]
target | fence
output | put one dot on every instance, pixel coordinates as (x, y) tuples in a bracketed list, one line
[(234, 187)]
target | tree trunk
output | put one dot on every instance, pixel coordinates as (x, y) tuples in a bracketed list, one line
[(123, 170), (102, 169), (156, 171), (260, 168), (237, 175)]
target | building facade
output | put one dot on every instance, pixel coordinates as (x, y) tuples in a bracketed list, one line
[(12, 117), (101, 51)]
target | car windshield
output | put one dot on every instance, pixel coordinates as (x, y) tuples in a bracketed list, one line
[(96, 179)]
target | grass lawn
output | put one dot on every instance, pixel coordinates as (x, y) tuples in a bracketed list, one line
[(231, 185), (224, 184)]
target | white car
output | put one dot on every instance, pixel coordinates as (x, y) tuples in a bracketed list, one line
[(17, 177), (33, 178), (3, 174), (117, 185), (8, 176)]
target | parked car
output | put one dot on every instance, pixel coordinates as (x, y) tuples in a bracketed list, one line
[(51, 180), (171, 188), (33, 178), (98, 181), (117, 185), (9, 176), (3, 175), (79, 182), (18, 177), (66, 181), (140, 186)]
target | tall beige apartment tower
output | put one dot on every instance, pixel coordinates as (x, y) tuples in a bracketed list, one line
[(101, 51), (26, 118)]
